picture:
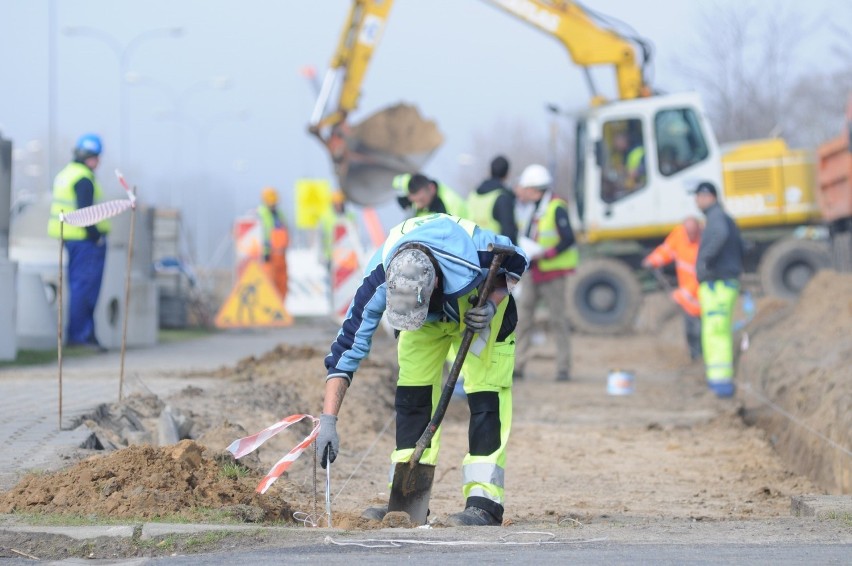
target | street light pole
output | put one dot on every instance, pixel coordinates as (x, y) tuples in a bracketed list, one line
[(122, 53)]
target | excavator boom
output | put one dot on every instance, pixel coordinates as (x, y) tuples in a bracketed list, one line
[(367, 156), (588, 43)]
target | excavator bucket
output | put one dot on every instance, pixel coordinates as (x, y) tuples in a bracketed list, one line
[(392, 141)]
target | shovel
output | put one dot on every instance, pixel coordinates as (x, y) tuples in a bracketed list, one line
[(412, 481)]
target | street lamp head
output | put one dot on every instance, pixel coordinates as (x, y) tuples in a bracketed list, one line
[(176, 31)]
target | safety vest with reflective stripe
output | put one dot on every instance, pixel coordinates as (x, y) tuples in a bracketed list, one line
[(548, 237), (481, 209), (454, 204), (678, 249), (275, 236), (65, 201)]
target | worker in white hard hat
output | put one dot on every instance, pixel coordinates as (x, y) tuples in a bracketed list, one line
[(545, 234)]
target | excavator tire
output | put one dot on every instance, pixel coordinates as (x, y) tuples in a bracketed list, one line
[(603, 297), (789, 264)]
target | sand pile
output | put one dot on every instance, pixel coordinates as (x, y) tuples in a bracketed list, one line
[(399, 129), (800, 358)]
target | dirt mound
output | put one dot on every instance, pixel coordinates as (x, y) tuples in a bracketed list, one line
[(399, 129), (147, 482), (196, 475), (800, 359)]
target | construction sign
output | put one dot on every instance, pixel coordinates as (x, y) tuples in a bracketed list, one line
[(347, 264), (313, 199), (253, 302)]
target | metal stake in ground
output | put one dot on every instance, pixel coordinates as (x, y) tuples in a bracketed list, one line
[(59, 316), (328, 492), (127, 294)]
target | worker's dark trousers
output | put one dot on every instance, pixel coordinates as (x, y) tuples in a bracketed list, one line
[(692, 327), (85, 272)]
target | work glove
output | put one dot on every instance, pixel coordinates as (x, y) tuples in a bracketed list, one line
[(479, 318), (328, 443)]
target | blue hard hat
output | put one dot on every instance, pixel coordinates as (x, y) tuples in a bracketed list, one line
[(90, 144)]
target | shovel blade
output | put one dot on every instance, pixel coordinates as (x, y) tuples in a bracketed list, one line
[(411, 489)]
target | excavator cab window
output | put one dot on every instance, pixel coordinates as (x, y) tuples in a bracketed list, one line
[(680, 141), (623, 171)]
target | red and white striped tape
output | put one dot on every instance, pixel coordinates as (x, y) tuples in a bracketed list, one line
[(249, 444), (127, 188), (97, 212)]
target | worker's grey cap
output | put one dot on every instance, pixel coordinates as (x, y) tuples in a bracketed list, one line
[(410, 278)]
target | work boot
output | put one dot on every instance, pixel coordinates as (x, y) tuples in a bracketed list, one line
[(375, 513), (473, 517), (563, 376)]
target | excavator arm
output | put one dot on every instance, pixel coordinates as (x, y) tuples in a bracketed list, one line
[(361, 34), (589, 44)]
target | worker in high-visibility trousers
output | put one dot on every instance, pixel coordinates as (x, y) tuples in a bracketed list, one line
[(718, 267), (275, 240), (424, 280), (681, 248)]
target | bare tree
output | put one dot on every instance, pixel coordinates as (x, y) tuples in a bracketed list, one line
[(743, 61)]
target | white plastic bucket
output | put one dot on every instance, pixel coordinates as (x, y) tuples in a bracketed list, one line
[(619, 382)]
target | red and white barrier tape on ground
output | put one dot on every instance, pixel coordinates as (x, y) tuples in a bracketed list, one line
[(249, 444)]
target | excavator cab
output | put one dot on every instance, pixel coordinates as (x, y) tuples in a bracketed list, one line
[(638, 160)]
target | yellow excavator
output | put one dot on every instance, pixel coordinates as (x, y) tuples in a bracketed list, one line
[(637, 159)]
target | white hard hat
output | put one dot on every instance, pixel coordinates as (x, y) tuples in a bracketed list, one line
[(535, 175)]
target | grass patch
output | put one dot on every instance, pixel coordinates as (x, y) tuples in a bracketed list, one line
[(844, 518), (207, 538), (39, 357), (59, 520), (233, 470)]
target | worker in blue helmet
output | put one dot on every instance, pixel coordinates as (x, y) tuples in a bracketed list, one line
[(75, 187)]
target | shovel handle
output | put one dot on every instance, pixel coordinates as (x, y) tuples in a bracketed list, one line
[(500, 253)]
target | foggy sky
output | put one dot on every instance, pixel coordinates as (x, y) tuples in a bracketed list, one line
[(209, 150)]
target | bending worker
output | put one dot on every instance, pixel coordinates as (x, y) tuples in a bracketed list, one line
[(275, 240), (719, 266), (427, 196), (425, 279), (547, 236), (492, 204), (681, 247), (75, 187)]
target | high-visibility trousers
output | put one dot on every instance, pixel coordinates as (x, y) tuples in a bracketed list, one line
[(717, 309), (488, 385), (276, 270)]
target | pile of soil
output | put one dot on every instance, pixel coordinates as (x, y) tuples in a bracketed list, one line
[(146, 482), (399, 129), (187, 479), (800, 359)]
